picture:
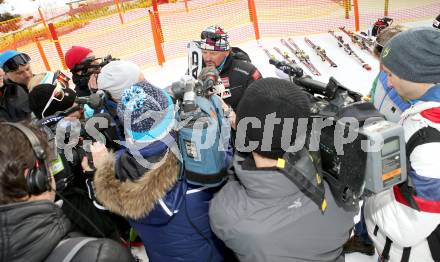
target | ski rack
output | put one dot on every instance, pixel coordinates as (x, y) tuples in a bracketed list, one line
[(285, 56), (356, 39), (349, 50), (301, 55), (320, 52)]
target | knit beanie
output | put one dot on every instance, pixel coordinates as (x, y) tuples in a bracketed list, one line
[(117, 76), (214, 38), (147, 112), (414, 55), (40, 96), (267, 98), (75, 55), (436, 22)]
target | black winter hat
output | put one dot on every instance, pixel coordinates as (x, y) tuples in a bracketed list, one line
[(264, 100), (40, 96), (436, 22)]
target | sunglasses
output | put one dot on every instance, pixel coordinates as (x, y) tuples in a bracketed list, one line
[(15, 62), (60, 81)]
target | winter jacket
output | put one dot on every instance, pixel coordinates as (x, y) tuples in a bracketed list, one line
[(386, 99), (170, 217), (14, 102), (389, 211), (262, 216), (237, 74), (31, 230)]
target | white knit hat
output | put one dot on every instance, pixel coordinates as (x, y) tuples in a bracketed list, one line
[(117, 76)]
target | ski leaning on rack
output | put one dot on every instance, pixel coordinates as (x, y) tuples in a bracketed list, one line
[(269, 54), (285, 56), (301, 55), (349, 51), (320, 52), (358, 40), (288, 66)]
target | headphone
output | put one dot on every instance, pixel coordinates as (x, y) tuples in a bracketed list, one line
[(38, 179)]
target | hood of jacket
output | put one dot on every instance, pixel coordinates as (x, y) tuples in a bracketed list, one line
[(134, 198), (262, 182), (31, 230)]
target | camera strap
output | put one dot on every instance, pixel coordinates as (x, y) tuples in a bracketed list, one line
[(422, 136), (300, 168)]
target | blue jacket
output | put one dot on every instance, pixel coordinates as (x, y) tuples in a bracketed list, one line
[(170, 217)]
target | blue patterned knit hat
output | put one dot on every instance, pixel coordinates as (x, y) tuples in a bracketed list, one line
[(147, 112)]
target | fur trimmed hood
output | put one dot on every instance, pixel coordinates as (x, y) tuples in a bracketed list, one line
[(134, 198)]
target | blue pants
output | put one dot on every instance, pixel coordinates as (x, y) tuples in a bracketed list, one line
[(360, 229)]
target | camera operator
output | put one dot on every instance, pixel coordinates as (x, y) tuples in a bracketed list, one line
[(85, 68), (145, 182), (53, 102), (114, 78), (260, 214), (14, 101), (403, 222), (34, 227)]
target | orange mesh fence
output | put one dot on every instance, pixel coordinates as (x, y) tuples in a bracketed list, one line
[(96, 24), (402, 11)]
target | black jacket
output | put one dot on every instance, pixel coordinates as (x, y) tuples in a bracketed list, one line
[(31, 230), (14, 102), (237, 74)]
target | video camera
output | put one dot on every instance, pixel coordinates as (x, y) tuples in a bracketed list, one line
[(203, 133), (72, 140), (92, 65), (187, 89), (360, 152)]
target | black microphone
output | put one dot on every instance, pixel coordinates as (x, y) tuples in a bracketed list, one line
[(291, 70)]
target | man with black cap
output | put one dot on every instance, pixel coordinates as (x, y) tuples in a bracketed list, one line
[(233, 64), (14, 102), (403, 222), (260, 214)]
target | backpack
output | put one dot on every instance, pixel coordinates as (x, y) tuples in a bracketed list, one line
[(204, 144), (422, 136), (67, 249)]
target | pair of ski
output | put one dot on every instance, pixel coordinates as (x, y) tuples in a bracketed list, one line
[(299, 53), (363, 42), (347, 48)]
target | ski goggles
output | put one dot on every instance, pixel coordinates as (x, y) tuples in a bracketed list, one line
[(58, 80), (15, 62), (211, 35)]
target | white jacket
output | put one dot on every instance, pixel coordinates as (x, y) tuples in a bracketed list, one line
[(405, 226)]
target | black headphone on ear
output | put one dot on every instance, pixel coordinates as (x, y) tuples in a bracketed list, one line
[(38, 179)]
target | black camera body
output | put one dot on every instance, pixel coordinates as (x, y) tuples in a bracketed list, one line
[(372, 161), (72, 141)]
